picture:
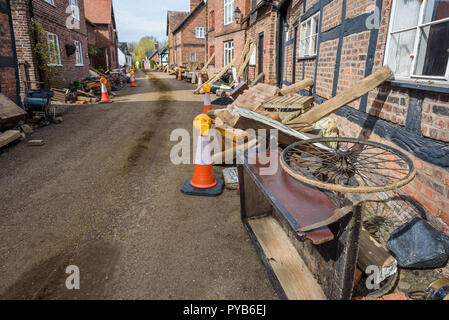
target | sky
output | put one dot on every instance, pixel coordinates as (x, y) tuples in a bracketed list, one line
[(138, 18)]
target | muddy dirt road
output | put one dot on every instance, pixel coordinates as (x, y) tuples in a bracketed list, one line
[(103, 195)]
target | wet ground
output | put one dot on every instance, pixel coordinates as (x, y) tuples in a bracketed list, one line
[(103, 195)]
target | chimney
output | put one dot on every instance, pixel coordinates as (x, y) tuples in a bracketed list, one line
[(156, 46), (194, 4)]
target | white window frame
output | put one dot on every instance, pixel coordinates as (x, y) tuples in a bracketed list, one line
[(309, 51), (79, 59), (74, 9), (52, 2), (419, 27), (200, 32), (55, 40), (228, 52), (228, 11)]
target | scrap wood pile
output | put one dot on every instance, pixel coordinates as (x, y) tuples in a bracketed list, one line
[(234, 69), (294, 116), (69, 96)]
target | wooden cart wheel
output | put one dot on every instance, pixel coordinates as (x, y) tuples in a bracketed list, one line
[(348, 165)]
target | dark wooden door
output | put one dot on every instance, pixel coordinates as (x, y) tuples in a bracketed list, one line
[(260, 51)]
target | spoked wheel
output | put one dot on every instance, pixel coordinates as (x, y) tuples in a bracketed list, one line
[(348, 165)]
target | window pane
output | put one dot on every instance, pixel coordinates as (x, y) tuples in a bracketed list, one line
[(406, 14), (433, 51), (436, 10), (401, 47), (314, 44)]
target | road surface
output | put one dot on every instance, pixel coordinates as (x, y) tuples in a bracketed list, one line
[(103, 195)]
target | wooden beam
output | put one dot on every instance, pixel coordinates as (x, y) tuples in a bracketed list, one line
[(9, 136), (296, 87), (244, 52), (245, 63), (289, 268), (323, 110), (217, 76), (208, 62), (372, 253)]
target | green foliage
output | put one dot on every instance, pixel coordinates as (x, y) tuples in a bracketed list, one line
[(51, 75), (146, 44), (152, 64)]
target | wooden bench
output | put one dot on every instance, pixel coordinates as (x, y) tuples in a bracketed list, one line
[(315, 265)]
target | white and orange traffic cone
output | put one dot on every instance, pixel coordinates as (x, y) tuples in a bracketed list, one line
[(179, 74), (200, 79), (104, 91), (132, 79), (207, 103), (203, 182)]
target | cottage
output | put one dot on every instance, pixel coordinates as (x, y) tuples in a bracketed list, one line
[(64, 26), (189, 37), (9, 79), (100, 14), (174, 18)]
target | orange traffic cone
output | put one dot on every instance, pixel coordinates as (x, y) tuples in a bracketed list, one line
[(179, 74), (203, 182), (132, 79), (200, 80), (207, 103), (104, 91)]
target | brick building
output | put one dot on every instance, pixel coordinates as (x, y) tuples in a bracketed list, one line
[(189, 37), (339, 42), (100, 14), (261, 27), (9, 79), (65, 27), (225, 36), (174, 18)]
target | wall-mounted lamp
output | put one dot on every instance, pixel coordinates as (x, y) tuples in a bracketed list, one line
[(237, 15)]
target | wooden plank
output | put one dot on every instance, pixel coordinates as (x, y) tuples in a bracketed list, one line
[(292, 273), (231, 152), (323, 110), (244, 52), (217, 76), (372, 253), (245, 63), (208, 62), (296, 87), (8, 109), (244, 119), (9, 136)]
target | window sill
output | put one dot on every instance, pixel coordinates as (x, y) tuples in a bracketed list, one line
[(79, 65), (441, 88), (306, 58), (54, 65)]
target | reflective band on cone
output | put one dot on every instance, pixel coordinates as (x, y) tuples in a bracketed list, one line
[(133, 81), (207, 104), (104, 94), (203, 176)]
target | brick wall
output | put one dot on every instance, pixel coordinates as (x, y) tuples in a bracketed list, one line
[(8, 63), (264, 21), (53, 19), (221, 33), (389, 103)]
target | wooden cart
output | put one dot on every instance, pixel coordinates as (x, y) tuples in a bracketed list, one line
[(315, 265)]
